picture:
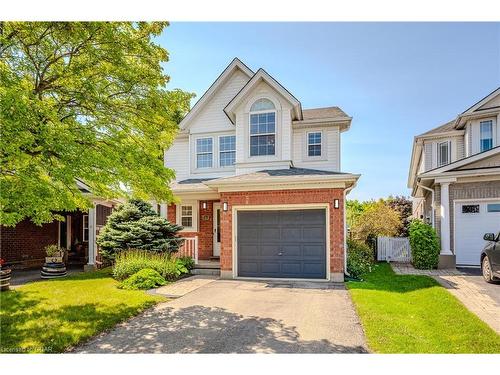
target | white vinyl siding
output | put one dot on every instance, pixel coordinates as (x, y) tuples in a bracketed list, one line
[(330, 149), (177, 158)]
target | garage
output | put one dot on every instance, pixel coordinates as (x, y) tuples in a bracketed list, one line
[(472, 220), (282, 243)]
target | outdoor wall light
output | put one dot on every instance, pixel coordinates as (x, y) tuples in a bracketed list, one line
[(224, 206), (336, 203), (204, 205)]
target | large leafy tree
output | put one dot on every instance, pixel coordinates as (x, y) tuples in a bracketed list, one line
[(85, 100), (405, 208)]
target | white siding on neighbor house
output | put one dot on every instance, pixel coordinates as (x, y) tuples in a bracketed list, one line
[(431, 150), (330, 149), (211, 117), (177, 158), (428, 155)]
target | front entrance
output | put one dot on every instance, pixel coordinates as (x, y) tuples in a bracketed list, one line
[(216, 230)]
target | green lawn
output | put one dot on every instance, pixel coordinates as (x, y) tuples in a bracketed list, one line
[(414, 314), (51, 316)]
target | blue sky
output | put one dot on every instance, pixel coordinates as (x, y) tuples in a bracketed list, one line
[(395, 79)]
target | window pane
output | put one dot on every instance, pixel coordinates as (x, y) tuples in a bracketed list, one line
[(443, 153), (187, 221), (314, 150), (262, 145), (204, 145), (263, 123), (262, 105), (227, 143), (494, 207), (204, 161), (227, 158), (187, 210), (314, 138), (486, 138)]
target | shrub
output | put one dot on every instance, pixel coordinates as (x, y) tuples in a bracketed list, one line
[(53, 250), (359, 258), (424, 244), (130, 262), (187, 261), (135, 225), (144, 279)]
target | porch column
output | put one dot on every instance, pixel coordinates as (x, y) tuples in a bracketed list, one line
[(163, 210), (445, 219), (92, 236)]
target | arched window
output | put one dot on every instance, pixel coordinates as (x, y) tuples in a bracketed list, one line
[(262, 128)]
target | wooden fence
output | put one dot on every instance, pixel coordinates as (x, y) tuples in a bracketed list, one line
[(394, 249)]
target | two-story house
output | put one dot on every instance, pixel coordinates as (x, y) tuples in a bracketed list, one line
[(258, 180), (455, 180)]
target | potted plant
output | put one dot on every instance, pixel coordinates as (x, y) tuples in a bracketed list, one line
[(54, 262), (5, 274)]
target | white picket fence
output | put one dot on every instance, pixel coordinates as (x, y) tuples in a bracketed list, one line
[(394, 249), (189, 248)]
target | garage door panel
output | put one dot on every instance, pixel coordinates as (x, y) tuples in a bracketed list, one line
[(248, 234), (289, 250), (270, 234), (282, 243), (316, 234), (313, 251), (291, 233)]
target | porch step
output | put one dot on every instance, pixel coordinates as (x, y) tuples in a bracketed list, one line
[(206, 271)]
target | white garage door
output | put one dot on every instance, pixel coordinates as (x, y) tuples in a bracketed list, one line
[(472, 220)]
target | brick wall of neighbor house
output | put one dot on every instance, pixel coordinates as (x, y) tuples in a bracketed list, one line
[(286, 197), (205, 228), (23, 245), (470, 190)]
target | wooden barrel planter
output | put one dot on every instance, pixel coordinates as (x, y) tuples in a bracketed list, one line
[(5, 274), (53, 268)]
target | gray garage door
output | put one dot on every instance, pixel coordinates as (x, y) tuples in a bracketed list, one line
[(285, 244)]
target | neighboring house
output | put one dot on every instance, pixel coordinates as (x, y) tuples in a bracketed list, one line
[(22, 246), (455, 180), (259, 181)]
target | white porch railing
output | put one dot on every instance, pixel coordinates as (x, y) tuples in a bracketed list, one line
[(394, 249), (189, 248)]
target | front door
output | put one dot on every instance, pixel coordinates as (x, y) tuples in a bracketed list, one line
[(216, 251)]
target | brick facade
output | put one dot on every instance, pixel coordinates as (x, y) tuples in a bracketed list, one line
[(23, 245), (205, 228), (283, 197)]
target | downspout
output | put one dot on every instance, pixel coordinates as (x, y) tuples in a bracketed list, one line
[(432, 204), (346, 191)]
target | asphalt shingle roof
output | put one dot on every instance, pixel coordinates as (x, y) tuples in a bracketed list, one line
[(449, 126), (320, 113)]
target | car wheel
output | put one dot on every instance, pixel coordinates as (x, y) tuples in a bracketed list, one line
[(486, 268)]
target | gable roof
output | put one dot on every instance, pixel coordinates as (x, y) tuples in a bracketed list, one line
[(477, 110), (449, 126), (226, 73), (262, 75), (322, 113)]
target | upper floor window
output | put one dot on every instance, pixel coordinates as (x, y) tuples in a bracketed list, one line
[(227, 150), (204, 152), (262, 128), (314, 144), (486, 135), (443, 153)]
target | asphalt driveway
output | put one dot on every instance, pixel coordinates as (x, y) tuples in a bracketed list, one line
[(242, 317)]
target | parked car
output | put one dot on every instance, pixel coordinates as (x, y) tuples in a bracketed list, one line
[(490, 258)]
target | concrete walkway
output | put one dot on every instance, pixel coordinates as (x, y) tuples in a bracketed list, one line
[(225, 316), (185, 286), (21, 277), (479, 297)]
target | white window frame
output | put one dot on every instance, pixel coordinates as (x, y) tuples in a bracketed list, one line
[(439, 161), (221, 152), (250, 135), (320, 144), (85, 229), (194, 216), (490, 122), (203, 153)]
